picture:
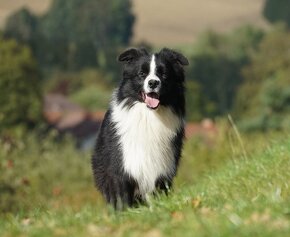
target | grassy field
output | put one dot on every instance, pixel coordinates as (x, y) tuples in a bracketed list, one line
[(221, 190)]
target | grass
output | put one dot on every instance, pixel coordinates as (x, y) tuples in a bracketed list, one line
[(218, 192)]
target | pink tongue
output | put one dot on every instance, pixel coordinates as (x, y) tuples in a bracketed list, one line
[(151, 102)]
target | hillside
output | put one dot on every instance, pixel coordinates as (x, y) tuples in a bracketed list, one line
[(166, 22), (170, 22), (247, 196)]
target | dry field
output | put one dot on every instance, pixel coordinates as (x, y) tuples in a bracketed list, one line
[(8, 6), (175, 22), (172, 22)]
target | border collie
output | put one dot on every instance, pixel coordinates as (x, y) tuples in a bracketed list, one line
[(140, 140)]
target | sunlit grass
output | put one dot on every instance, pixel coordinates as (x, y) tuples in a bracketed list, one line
[(235, 196)]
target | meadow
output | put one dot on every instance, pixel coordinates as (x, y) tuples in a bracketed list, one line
[(230, 187)]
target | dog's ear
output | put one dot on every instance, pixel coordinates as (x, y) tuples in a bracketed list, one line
[(174, 56), (131, 54)]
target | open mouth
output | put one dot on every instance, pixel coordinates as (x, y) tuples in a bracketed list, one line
[(151, 100)]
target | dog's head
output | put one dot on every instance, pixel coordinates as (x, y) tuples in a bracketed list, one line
[(155, 79)]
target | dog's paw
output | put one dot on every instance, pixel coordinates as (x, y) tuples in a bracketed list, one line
[(118, 193)]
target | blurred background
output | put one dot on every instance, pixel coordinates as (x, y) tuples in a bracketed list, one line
[(58, 68)]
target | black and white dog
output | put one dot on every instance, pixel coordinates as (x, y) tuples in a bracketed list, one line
[(139, 143)]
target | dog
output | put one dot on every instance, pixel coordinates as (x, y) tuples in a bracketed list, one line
[(139, 143)]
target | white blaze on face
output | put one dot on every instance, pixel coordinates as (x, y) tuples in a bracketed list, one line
[(152, 76)]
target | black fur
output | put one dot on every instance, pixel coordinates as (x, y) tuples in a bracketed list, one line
[(110, 177)]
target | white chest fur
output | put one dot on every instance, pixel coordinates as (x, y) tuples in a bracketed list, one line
[(146, 141)]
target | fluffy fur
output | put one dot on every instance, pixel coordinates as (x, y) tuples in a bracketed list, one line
[(139, 143)]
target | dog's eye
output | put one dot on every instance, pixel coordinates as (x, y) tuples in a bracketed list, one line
[(142, 74), (161, 72), (162, 75)]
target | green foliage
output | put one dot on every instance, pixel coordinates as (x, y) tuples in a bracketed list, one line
[(196, 103), (68, 83), (36, 171), (235, 45), (219, 78), (264, 99), (277, 11), (216, 67), (75, 34), (89, 88), (92, 98), (20, 86), (21, 25)]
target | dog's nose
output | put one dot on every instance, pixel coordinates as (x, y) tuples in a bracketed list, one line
[(153, 84)]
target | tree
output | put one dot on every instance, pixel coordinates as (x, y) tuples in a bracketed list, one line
[(277, 10), (263, 101), (219, 78), (79, 33), (20, 94), (216, 66), (21, 25)]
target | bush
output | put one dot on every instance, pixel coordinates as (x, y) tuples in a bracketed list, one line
[(89, 88), (216, 67), (263, 101), (92, 98), (37, 171), (20, 87), (68, 83), (196, 104)]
